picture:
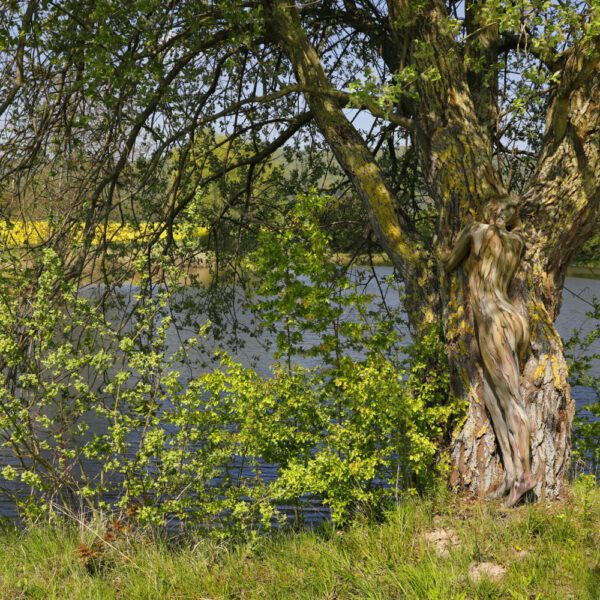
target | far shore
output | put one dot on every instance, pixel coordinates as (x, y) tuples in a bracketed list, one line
[(202, 265), (381, 260), (584, 271)]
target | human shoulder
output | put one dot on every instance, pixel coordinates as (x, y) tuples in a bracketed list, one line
[(472, 229)]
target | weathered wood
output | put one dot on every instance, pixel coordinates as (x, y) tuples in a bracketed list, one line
[(490, 255)]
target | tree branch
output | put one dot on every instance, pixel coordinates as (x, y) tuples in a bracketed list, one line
[(20, 71), (565, 187), (398, 239), (511, 41)]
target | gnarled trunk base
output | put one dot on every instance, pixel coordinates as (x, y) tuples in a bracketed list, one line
[(475, 458)]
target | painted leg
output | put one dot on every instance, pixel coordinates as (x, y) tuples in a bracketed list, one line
[(503, 371), (524, 482), (509, 396), (501, 432)]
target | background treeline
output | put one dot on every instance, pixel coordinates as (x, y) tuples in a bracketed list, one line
[(344, 217)]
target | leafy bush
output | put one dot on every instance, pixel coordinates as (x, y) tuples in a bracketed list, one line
[(586, 429), (99, 417), (379, 429)]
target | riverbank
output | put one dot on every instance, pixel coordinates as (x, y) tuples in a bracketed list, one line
[(591, 271), (439, 548), (587, 271)]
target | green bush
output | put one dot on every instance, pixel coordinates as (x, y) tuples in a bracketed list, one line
[(99, 417), (586, 428)]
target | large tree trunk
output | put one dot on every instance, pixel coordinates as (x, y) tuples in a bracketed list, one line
[(475, 458), (451, 131), (559, 214)]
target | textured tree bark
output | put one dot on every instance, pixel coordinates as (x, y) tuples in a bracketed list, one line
[(565, 191), (481, 51), (490, 255), (477, 466), (452, 130)]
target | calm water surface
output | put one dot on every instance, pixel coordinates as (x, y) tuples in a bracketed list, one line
[(578, 294)]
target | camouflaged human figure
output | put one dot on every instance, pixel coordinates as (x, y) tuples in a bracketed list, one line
[(490, 253)]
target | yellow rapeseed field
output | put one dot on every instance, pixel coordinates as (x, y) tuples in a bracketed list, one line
[(30, 233)]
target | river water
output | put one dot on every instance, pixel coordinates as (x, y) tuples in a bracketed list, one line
[(577, 298), (578, 295)]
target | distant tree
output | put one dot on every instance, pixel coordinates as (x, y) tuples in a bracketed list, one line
[(490, 97)]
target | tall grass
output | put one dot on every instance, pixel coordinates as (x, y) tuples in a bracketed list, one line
[(549, 551)]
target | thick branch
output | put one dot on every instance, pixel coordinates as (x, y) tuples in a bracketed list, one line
[(347, 145), (481, 57), (454, 150), (345, 98), (566, 185)]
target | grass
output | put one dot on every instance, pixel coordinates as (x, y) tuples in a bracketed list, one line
[(549, 551)]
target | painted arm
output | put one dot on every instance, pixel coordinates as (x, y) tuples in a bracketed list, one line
[(460, 250)]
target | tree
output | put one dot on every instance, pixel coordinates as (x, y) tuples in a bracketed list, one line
[(467, 86)]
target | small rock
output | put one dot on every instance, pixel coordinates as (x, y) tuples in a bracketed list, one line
[(442, 540), (487, 570)]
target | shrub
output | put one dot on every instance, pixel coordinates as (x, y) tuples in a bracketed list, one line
[(99, 417)]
